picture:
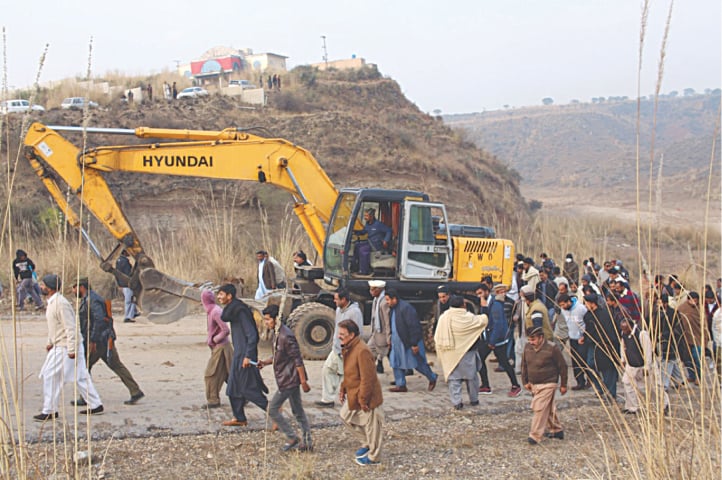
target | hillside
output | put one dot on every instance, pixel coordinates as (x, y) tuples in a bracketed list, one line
[(594, 145), (360, 128)]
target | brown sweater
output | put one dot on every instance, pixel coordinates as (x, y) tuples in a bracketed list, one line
[(544, 365), (691, 324), (360, 380)]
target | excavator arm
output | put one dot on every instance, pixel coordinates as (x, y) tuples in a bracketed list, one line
[(228, 154)]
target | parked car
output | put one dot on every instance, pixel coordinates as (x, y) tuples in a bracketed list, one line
[(244, 84), (77, 103), (19, 106), (193, 92)]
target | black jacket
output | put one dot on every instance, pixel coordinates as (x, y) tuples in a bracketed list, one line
[(243, 382), (603, 334), (23, 268), (101, 324), (407, 323)]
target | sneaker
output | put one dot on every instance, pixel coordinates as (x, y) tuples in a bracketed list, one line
[(134, 399), (361, 452), (44, 417), (485, 390), (366, 461), (515, 391), (94, 411), (79, 402), (323, 404), (291, 445)]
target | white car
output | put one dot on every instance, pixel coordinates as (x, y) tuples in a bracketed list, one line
[(244, 84), (77, 103), (19, 106), (193, 92)]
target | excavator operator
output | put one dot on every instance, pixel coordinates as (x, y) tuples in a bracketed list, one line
[(379, 236)]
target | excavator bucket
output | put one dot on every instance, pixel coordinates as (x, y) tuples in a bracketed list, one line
[(164, 298)]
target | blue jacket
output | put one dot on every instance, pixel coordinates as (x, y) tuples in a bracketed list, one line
[(378, 233), (498, 327)]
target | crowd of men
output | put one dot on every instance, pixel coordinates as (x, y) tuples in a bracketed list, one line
[(589, 314)]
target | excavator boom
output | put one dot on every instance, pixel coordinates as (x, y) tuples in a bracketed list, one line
[(227, 154)]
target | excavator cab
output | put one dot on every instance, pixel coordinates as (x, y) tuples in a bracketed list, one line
[(416, 244)]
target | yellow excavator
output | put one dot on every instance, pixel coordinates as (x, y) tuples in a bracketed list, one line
[(424, 250)]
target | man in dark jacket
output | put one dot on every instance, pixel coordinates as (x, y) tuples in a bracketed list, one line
[(494, 339), (546, 291), (407, 344), (244, 380), (96, 325), (670, 328), (602, 339), (23, 269), (571, 269), (123, 266), (290, 373)]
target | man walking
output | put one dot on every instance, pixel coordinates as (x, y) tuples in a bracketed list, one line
[(380, 323), (494, 339), (23, 269), (541, 368), (65, 361), (218, 340), (122, 265), (457, 338), (96, 326), (572, 313), (360, 394), (332, 372), (270, 274), (689, 314), (602, 338), (290, 373), (244, 380), (639, 366), (407, 344)]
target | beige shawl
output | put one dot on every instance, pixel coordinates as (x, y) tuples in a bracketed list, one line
[(456, 332)]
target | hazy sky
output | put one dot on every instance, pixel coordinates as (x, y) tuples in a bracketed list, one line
[(453, 55)]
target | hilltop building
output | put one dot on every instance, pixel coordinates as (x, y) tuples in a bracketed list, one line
[(220, 64), (343, 64)]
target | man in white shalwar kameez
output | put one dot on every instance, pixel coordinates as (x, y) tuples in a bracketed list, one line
[(65, 361)]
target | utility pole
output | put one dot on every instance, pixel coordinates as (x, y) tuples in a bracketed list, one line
[(325, 52)]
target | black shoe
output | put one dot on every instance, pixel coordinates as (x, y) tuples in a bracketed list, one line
[(393, 382), (531, 441), (409, 372), (324, 404), (79, 402), (558, 435), (44, 417), (458, 406), (666, 411), (95, 411), (128, 320), (134, 399), (629, 412), (474, 404), (379, 366)]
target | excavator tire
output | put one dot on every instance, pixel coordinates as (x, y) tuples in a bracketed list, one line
[(427, 327), (313, 324)]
